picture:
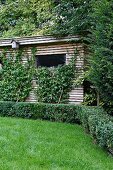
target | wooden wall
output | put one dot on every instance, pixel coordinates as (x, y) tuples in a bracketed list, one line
[(76, 95)]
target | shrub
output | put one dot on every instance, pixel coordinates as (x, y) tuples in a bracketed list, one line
[(99, 124), (84, 112), (62, 113), (109, 135), (104, 134), (53, 112), (101, 128), (93, 121), (29, 110), (6, 108)]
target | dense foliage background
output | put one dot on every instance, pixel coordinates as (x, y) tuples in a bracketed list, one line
[(32, 17), (24, 17), (90, 18), (101, 43)]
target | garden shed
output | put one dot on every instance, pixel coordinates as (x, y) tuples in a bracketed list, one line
[(51, 51)]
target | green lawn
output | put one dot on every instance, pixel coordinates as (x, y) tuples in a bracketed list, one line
[(41, 145)]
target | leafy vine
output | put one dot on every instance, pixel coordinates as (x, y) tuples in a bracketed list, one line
[(54, 84), (15, 77)]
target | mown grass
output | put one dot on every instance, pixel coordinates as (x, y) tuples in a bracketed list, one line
[(42, 145)]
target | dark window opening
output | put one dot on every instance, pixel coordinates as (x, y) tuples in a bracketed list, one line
[(51, 60)]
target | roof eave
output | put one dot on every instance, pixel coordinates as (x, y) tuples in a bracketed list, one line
[(38, 40)]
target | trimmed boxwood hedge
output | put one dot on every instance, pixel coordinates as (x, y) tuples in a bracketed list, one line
[(99, 124), (53, 112), (6, 108), (93, 119)]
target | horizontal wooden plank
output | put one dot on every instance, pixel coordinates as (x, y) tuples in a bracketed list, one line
[(77, 88), (80, 101), (76, 103), (75, 99), (55, 52), (80, 96)]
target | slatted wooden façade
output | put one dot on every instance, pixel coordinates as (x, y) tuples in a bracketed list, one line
[(50, 45)]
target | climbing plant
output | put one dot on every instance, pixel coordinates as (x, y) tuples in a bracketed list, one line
[(54, 84), (15, 77)]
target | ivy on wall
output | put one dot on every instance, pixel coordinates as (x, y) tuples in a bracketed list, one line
[(54, 84), (15, 77)]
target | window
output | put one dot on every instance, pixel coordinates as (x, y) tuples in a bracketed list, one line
[(51, 60)]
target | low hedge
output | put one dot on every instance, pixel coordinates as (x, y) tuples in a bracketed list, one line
[(99, 124), (101, 129), (6, 108), (93, 119), (62, 112), (29, 110), (53, 112)]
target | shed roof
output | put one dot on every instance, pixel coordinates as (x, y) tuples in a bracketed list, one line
[(38, 40)]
